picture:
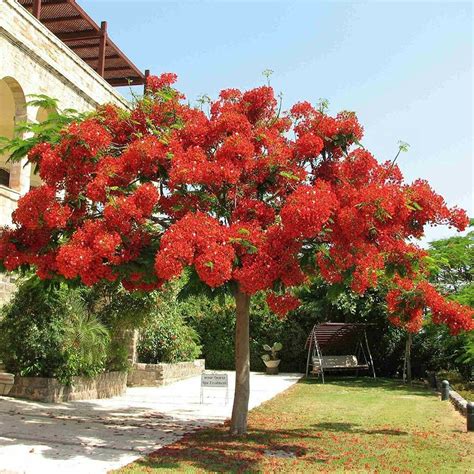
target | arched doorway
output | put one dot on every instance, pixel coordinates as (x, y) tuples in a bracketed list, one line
[(12, 111)]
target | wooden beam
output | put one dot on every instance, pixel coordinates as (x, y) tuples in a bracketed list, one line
[(94, 58), (102, 46), (133, 81), (79, 47), (60, 19), (59, 2), (36, 9), (78, 35), (147, 75), (117, 68)]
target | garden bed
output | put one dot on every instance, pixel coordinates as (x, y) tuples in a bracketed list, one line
[(50, 390), (153, 375)]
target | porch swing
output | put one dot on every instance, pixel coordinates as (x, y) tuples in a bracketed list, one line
[(328, 344)]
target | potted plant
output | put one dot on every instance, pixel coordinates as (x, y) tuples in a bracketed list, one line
[(271, 359)]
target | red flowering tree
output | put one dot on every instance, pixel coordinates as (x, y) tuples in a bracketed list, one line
[(248, 199)]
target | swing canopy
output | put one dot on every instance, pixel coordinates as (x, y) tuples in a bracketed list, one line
[(338, 346)]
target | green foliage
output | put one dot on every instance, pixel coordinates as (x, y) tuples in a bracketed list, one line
[(29, 134), (458, 382), (451, 265), (50, 329), (452, 261), (465, 295), (118, 308), (47, 332), (465, 360), (214, 321), (434, 349), (86, 339), (121, 312), (166, 337)]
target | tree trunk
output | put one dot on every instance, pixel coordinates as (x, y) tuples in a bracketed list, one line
[(242, 365), (407, 361)]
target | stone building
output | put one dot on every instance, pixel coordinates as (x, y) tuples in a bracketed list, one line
[(51, 47)]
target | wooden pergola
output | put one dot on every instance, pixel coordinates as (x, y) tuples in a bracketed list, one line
[(73, 26)]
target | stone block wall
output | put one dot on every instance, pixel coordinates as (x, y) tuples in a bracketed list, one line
[(50, 390), (153, 375), (7, 288), (8, 203)]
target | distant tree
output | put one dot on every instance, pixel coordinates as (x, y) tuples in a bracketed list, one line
[(452, 263), (451, 266)]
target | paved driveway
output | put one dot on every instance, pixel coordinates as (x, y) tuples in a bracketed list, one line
[(95, 436)]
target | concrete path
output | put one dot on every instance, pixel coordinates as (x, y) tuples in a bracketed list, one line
[(96, 436)]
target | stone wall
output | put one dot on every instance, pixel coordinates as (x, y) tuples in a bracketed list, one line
[(8, 202), (110, 384), (458, 401), (152, 375), (7, 288)]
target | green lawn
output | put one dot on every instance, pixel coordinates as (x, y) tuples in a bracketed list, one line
[(347, 425)]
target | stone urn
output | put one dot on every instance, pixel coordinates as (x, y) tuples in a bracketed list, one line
[(6, 383), (272, 366)]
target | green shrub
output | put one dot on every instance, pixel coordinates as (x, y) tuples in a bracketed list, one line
[(86, 339), (214, 321), (459, 383), (46, 331), (121, 312), (215, 324), (166, 337)]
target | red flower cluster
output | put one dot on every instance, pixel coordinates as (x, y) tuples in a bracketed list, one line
[(197, 240), (89, 253), (317, 132), (307, 209), (155, 83), (408, 300), (40, 209), (253, 210), (282, 304)]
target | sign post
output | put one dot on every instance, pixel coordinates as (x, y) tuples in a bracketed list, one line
[(214, 380)]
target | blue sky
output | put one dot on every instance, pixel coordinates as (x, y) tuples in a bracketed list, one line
[(406, 68)]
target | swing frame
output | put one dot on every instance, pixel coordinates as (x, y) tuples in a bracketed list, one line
[(329, 335)]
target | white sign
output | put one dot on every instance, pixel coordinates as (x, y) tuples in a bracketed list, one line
[(214, 380), (210, 380)]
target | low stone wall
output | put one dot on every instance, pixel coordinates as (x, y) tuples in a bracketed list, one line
[(106, 385), (457, 400), (153, 375)]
